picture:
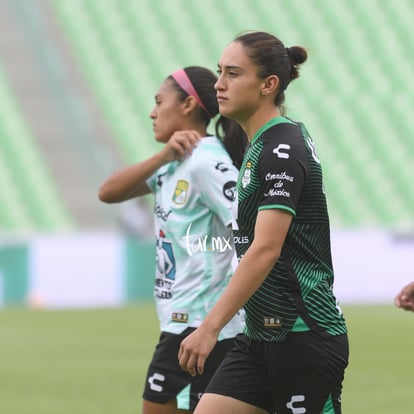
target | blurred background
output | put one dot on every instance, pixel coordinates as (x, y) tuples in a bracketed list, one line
[(77, 84)]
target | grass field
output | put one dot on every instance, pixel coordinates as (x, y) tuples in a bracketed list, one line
[(94, 361)]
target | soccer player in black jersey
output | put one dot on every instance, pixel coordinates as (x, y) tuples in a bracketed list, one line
[(293, 353)]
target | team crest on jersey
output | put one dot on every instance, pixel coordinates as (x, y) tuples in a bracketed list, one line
[(247, 174), (181, 192)]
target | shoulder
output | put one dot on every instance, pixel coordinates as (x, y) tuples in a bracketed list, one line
[(210, 154), (283, 147), (209, 145), (160, 176), (283, 139), (287, 131)]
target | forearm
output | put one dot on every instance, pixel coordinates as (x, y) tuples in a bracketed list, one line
[(270, 232), (249, 275), (130, 182)]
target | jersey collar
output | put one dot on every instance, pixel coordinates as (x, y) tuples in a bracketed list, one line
[(272, 122)]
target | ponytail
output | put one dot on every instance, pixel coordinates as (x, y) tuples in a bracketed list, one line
[(234, 138)]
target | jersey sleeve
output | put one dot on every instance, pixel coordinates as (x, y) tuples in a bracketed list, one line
[(216, 179), (151, 182), (283, 168)]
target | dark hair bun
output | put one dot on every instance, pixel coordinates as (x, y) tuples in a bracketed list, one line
[(297, 55)]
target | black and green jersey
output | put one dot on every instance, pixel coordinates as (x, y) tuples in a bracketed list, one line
[(281, 170)]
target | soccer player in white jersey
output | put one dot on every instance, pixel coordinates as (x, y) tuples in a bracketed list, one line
[(193, 178)]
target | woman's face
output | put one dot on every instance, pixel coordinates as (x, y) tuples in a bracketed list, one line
[(166, 115), (238, 86)]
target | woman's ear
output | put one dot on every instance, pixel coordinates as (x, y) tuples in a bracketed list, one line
[(189, 104), (270, 85)]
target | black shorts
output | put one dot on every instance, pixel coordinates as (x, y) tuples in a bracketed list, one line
[(166, 379), (303, 373)]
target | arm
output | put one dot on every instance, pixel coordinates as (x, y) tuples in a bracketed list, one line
[(405, 299), (270, 233), (130, 182)]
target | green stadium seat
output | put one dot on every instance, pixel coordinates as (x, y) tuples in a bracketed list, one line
[(28, 198), (355, 92)]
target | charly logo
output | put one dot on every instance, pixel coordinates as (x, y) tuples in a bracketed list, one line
[(181, 192), (160, 179), (220, 166), (206, 243), (279, 153), (294, 400), (153, 385)]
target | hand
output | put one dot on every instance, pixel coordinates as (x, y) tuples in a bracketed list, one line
[(180, 145), (195, 349), (405, 299)]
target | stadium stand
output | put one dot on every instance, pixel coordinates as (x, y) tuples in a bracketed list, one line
[(66, 126), (355, 93), (28, 198), (113, 65)]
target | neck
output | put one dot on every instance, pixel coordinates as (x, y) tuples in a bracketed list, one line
[(255, 122), (200, 128)]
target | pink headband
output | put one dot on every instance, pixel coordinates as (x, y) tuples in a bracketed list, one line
[(185, 83)]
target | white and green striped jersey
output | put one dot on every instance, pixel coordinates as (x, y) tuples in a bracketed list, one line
[(195, 250)]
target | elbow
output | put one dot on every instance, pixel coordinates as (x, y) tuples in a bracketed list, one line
[(271, 256), (265, 254)]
